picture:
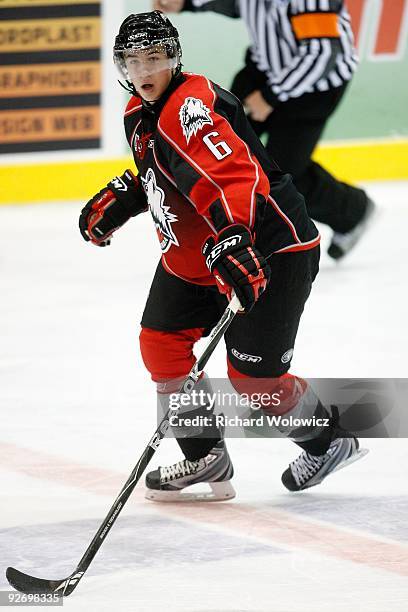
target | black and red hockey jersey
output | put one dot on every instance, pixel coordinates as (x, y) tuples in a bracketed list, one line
[(203, 168)]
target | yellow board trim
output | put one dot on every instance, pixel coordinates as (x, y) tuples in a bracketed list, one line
[(351, 162), (366, 161)]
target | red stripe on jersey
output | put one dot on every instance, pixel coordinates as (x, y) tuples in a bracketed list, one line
[(253, 194), (285, 218), (210, 87), (162, 170), (134, 105), (303, 246)]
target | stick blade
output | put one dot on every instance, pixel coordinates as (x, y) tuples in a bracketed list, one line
[(31, 585)]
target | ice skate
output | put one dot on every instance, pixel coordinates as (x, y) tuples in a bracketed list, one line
[(310, 470), (342, 244), (172, 483)]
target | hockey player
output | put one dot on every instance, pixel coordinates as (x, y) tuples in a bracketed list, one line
[(228, 220)]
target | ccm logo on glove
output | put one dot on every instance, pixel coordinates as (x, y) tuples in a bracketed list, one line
[(219, 248), (119, 183), (237, 265)]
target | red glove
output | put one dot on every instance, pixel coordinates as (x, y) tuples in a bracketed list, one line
[(237, 265), (111, 208)]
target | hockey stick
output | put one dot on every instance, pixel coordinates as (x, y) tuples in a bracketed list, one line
[(31, 585)]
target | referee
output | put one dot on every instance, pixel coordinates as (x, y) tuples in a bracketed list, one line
[(298, 67)]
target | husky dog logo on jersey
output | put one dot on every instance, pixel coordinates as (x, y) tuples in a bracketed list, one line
[(161, 214), (194, 115)]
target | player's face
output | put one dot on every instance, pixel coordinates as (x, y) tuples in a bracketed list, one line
[(150, 72)]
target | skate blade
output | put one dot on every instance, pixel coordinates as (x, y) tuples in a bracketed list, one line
[(220, 491), (362, 452)]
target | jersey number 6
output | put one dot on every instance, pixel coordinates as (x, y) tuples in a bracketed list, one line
[(218, 149)]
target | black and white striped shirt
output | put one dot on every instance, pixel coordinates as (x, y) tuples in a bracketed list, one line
[(301, 46)]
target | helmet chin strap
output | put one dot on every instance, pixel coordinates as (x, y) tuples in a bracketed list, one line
[(129, 87)]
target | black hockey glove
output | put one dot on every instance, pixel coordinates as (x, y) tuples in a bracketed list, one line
[(111, 208), (237, 265)]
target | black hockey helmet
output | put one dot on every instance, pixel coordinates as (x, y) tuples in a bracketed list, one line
[(142, 31)]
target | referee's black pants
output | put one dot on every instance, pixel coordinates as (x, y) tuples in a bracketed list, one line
[(294, 128)]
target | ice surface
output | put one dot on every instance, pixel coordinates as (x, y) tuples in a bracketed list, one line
[(77, 409)]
